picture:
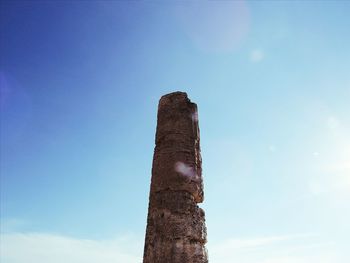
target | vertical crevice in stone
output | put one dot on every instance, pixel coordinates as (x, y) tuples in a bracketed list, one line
[(176, 231)]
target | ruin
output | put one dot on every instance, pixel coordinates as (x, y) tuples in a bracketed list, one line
[(176, 231)]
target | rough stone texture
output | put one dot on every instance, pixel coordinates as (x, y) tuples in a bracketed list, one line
[(176, 231)]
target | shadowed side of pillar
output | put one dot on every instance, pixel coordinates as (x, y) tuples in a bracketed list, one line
[(175, 225)]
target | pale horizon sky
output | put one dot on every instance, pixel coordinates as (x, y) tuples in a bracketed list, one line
[(80, 83)]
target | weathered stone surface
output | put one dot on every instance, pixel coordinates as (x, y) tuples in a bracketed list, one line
[(176, 231)]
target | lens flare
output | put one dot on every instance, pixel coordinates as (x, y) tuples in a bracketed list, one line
[(186, 171)]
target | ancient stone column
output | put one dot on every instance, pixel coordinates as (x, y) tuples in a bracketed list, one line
[(176, 231)]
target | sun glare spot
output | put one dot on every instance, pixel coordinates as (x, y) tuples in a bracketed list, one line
[(215, 26), (186, 170), (272, 148), (333, 123), (195, 116), (256, 55)]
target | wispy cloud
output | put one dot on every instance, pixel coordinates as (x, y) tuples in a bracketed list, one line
[(52, 248), (303, 248), (246, 243)]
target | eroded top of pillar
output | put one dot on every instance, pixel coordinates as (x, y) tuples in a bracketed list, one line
[(177, 163)]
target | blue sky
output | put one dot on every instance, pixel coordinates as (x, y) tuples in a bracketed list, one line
[(80, 83)]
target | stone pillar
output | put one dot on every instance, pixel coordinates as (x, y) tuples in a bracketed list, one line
[(176, 231)]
